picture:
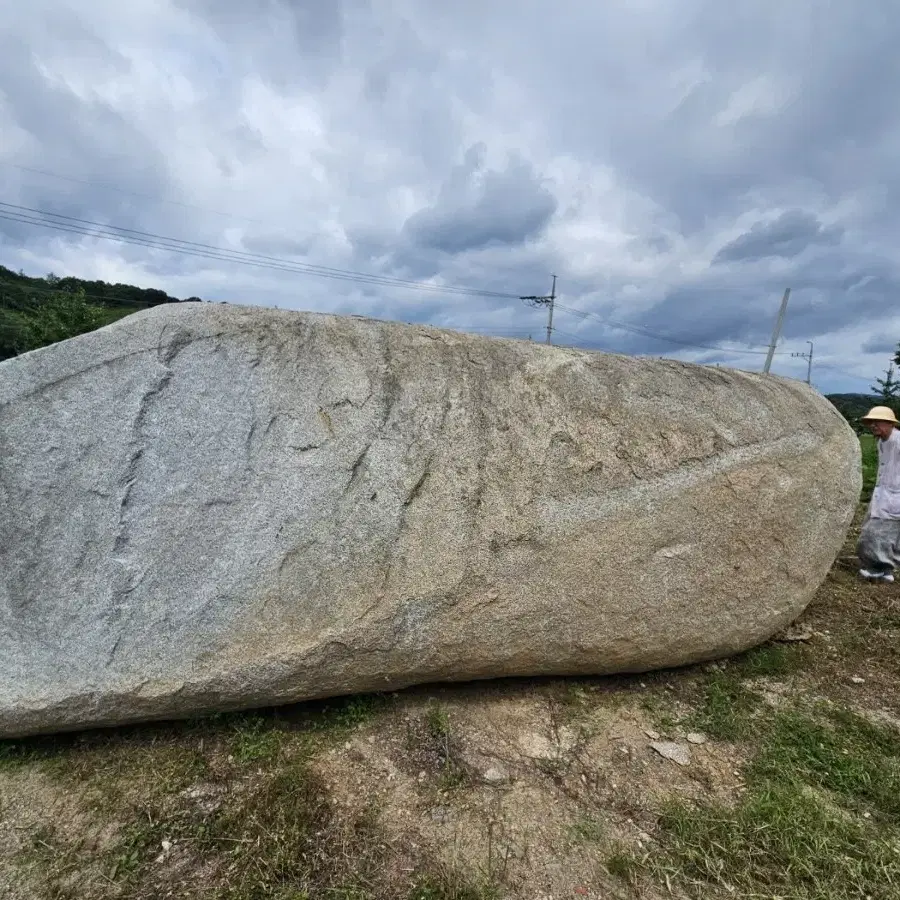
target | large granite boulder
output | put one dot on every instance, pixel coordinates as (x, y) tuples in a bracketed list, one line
[(214, 507)]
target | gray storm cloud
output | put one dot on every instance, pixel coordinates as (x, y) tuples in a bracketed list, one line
[(478, 144)]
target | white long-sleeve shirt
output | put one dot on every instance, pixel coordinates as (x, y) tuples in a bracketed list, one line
[(886, 496)]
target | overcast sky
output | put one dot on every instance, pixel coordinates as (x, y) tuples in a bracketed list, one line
[(677, 163)]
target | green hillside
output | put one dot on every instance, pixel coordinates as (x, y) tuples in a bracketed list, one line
[(853, 406), (35, 312)]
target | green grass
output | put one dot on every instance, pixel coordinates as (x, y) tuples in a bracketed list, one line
[(726, 708), (869, 448), (112, 314), (135, 777), (820, 818), (771, 660), (41, 751), (277, 837), (336, 715), (139, 842), (588, 830), (271, 838), (781, 841), (439, 740), (347, 712), (109, 766), (112, 771), (14, 754), (658, 707), (62, 860), (622, 865), (437, 721), (56, 861), (256, 738), (432, 738), (856, 762), (283, 839), (450, 887)]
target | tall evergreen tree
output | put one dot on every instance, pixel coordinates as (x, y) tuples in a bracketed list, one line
[(887, 389)]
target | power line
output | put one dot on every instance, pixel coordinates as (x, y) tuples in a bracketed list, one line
[(547, 300), (492, 330), (28, 288), (193, 248), (643, 331), (71, 224), (844, 372), (572, 337), (583, 342), (487, 328), (313, 269), (57, 221), (497, 331), (809, 361), (112, 187)]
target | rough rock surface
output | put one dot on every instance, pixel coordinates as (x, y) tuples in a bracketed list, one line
[(212, 507)]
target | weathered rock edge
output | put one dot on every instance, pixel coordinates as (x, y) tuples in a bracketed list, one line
[(213, 507)]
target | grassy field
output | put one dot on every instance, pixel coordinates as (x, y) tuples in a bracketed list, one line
[(788, 786), (869, 464)]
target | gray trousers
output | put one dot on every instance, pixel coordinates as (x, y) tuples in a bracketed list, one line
[(879, 545)]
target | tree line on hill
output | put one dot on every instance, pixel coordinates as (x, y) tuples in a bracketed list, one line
[(885, 392), (35, 312)]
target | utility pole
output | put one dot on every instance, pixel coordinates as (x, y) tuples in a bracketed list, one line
[(777, 332), (809, 358), (548, 300)]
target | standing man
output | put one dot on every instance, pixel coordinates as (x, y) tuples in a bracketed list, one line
[(879, 541)]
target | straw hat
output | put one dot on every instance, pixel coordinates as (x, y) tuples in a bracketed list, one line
[(880, 414)]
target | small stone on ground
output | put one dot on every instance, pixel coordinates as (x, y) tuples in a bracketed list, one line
[(796, 632), (677, 753), (495, 775)]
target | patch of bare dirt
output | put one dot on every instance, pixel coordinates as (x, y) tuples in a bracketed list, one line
[(47, 838), (537, 794)]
